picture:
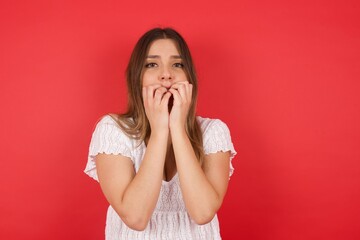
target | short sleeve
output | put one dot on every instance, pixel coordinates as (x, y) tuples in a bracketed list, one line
[(217, 138), (107, 138)]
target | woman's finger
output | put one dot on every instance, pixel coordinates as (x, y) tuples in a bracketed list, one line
[(183, 89), (176, 94), (190, 92), (166, 97), (159, 93), (178, 84), (151, 92)]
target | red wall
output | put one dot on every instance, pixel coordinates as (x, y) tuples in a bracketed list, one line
[(283, 76)]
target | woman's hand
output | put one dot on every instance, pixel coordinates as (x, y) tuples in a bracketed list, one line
[(182, 92), (156, 99)]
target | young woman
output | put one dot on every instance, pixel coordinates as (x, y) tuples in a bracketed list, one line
[(163, 170)]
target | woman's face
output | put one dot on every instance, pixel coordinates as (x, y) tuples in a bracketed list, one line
[(163, 64)]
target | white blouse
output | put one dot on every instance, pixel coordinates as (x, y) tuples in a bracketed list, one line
[(170, 219)]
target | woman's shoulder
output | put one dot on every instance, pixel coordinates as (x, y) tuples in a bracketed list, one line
[(206, 123), (112, 127), (111, 118), (114, 122)]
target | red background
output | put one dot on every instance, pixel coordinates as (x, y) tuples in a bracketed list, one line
[(283, 75)]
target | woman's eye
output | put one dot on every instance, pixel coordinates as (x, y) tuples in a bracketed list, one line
[(178, 65), (150, 65)]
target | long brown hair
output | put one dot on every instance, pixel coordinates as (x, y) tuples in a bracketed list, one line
[(134, 121)]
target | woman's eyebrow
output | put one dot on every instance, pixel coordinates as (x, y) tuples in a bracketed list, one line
[(157, 56)]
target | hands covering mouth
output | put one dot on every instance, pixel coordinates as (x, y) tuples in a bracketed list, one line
[(167, 106)]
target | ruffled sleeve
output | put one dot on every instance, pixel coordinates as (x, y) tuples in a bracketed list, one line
[(107, 138), (216, 138)]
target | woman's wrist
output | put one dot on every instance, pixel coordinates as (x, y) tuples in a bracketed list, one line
[(178, 130), (161, 134)]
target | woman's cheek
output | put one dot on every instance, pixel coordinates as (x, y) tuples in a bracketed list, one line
[(182, 78), (147, 80)]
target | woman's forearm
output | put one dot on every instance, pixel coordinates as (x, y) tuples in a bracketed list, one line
[(142, 193), (201, 199)]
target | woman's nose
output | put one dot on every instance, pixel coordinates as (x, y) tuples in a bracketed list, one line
[(166, 77), (166, 74)]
